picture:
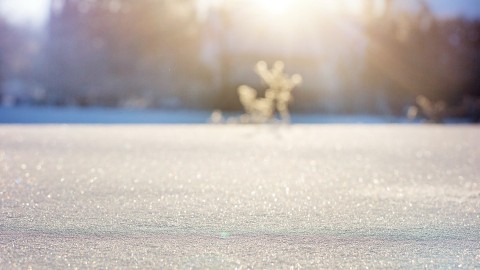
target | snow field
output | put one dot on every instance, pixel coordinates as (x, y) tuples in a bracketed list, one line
[(228, 196)]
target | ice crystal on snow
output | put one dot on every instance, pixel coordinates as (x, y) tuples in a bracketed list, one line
[(277, 96), (434, 111)]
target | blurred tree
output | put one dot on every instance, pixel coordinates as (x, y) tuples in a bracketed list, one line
[(412, 54), (19, 48), (4, 47), (107, 52)]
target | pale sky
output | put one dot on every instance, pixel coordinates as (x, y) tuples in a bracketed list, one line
[(34, 12), (449, 8)]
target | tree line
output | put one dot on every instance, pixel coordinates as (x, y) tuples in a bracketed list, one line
[(148, 53)]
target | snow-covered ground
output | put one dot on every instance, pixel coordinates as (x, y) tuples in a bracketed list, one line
[(227, 196), (75, 115)]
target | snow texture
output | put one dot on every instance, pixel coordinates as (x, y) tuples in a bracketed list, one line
[(227, 196)]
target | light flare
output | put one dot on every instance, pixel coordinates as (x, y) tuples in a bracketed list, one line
[(275, 7)]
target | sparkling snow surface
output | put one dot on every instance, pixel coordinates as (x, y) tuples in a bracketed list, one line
[(333, 196)]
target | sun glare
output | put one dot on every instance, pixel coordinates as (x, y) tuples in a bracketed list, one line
[(336, 7), (275, 7), (354, 7), (287, 7)]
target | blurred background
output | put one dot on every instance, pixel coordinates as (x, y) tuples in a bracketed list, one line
[(368, 57)]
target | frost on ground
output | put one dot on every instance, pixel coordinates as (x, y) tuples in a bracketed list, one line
[(333, 196)]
